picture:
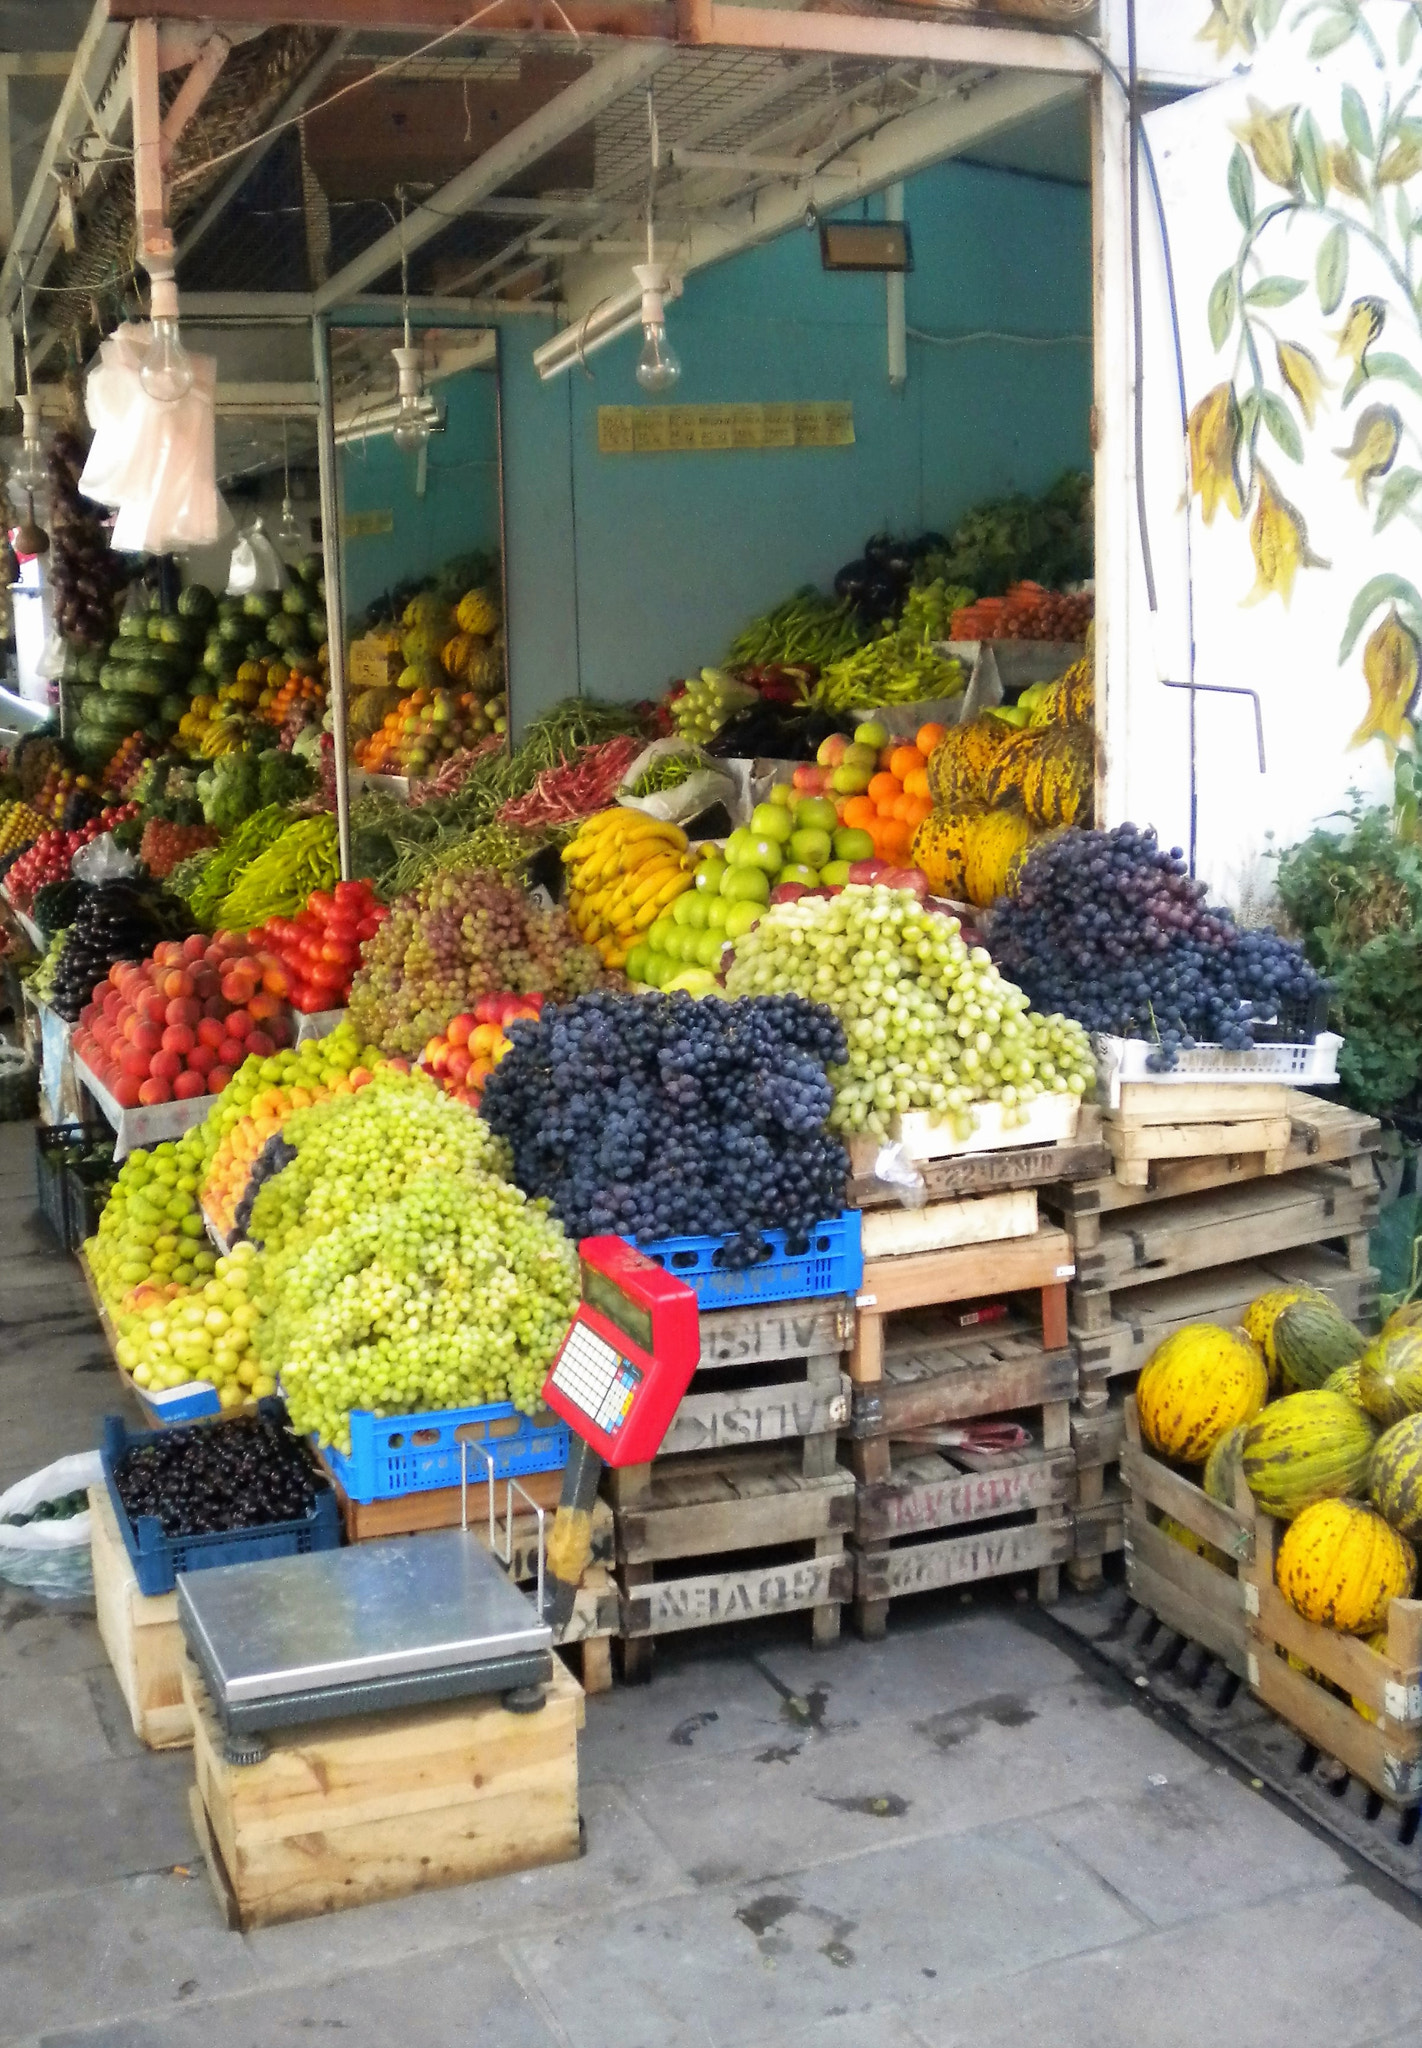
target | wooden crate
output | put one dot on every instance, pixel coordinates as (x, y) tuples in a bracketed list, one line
[(347, 1812), (1202, 1598), (1333, 1675), (929, 1373), (1136, 1144), (1098, 1509), (1083, 1157), (703, 1541), (140, 1631), (941, 1226), (1041, 1265)]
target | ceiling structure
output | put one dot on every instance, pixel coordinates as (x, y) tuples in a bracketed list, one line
[(510, 170)]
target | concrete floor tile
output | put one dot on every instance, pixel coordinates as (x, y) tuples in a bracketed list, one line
[(48, 1721), (468, 1996), (885, 2027), (700, 1703), (1204, 1844), (91, 1824), (625, 1866), (1331, 1968), (810, 1797), (104, 1954), (728, 1969), (47, 1635)]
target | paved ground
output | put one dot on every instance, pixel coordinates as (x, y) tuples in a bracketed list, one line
[(957, 1837)]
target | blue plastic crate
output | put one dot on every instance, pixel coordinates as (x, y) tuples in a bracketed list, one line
[(826, 1260), (394, 1454), (157, 1559)]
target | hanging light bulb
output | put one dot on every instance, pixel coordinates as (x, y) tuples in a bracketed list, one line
[(412, 427), (288, 530), (658, 366), (166, 372), (31, 471)]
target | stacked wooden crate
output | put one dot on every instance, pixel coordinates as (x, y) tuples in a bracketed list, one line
[(953, 1338), (745, 1510), (1195, 1237)]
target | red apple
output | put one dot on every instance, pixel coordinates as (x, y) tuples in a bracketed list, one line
[(259, 1045), (179, 1038), (231, 1053)]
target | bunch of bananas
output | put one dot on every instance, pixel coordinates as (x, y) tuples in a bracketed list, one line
[(211, 726), (624, 870), (19, 826)]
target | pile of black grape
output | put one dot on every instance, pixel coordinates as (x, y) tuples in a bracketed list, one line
[(242, 1474), (1112, 931), (274, 1155), (114, 921), (657, 1116)]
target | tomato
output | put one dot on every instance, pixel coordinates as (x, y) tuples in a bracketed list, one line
[(339, 954), (344, 929), (351, 897), (307, 999), (319, 905), (326, 974), (368, 927)]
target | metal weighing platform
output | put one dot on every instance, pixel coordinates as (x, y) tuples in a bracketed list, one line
[(400, 1623)]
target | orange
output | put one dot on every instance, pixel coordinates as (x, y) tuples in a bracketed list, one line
[(860, 812), (920, 807), (930, 736), (904, 761), (884, 789), (917, 783), (895, 838)]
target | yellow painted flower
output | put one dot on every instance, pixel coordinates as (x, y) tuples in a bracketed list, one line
[(1392, 661), (1214, 453), (1373, 449), (1279, 538), (1230, 27), (1365, 322), (1345, 170), (1269, 138), (1403, 161), (1300, 371)]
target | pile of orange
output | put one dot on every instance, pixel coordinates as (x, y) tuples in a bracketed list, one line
[(296, 692), (897, 800), (237, 1154)]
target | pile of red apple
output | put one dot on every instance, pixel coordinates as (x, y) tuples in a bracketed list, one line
[(462, 1057), (318, 951), (49, 858), (178, 1025)]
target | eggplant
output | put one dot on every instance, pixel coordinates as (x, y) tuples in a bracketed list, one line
[(876, 548), (898, 563), (853, 580)]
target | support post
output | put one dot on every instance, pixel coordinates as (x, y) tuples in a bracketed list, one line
[(328, 459), (894, 297)]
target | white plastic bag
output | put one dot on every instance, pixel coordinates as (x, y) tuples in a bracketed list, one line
[(703, 787), (50, 1557), (155, 463), (255, 564), (104, 860), (51, 662)]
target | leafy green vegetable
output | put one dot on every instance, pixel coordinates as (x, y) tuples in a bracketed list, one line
[(230, 790), (284, 778)]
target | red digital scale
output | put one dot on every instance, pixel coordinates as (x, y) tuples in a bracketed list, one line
[(617, 1382)]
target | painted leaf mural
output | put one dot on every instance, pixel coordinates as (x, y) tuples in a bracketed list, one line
[(1327, 193)]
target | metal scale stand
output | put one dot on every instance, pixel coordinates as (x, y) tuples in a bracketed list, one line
[(405, 1622)]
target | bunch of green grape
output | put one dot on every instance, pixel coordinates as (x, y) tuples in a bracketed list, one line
[(931, 1024), (455, 1293), (357, 1152), (151, 1232)]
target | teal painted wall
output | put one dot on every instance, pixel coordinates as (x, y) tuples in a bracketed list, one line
[(624, 572), (460, 508)]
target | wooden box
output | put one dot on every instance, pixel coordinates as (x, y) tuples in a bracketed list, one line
[(1202, 1598), (1358, 1705), (141, 1634), (347, 1812), (938, 1226)]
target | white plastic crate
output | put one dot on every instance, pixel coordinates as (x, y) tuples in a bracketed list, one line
[(1122, 1060), (1050, 1120)]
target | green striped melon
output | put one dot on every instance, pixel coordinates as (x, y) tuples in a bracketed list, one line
[(1395, 1476), (1345, 1382), (1313, 1340), (1305, 1448), (1390, 1376), (1224, 1464)]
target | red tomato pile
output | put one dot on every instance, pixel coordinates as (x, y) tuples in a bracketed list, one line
[(179, 1024), (319, 950), (48, 859)]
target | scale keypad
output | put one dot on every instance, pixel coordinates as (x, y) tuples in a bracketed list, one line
[(594, 1375)]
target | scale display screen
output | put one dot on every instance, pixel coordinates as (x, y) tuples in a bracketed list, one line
[(629, 1355)]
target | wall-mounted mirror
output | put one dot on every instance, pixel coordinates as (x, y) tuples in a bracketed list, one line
[(421, 542)]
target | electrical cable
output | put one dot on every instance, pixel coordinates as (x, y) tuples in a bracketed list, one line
[(997, 334)]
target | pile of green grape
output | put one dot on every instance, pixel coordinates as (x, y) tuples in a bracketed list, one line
[(931, 1024), (151, 1232), (400, 1270)]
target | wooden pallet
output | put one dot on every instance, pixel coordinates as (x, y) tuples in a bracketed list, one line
[(1084, 1157), (1137, 1145), (347, 1812), (1098, 1517), (703, 1541), (1143, 1317), (1041, 1265), (1330, 1676), (932, 1373), (1202, 1598), (140, 1631), (768, 1397)]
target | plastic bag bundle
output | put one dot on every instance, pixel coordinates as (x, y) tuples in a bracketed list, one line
[(154, 462), (49, 1557)]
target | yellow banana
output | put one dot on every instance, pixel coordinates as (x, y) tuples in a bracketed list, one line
[(649, 882)]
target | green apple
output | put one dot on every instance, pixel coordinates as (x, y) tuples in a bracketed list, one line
[(851, 781), (736, 846), (709, 947), (716, 909), (772, 821), (741, 917), (681, 909), (745, 885), (871, 734), (807, 877), (815, 813), (763, 853), (674, 943), (811, 848), (834, 874), (852, 844), (636, 967), (658, 969), (657, 936), (784, 793), (860, 757), (708, 874)]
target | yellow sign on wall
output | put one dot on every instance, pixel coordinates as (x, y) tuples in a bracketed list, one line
[(698, 429), (367, 525)]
